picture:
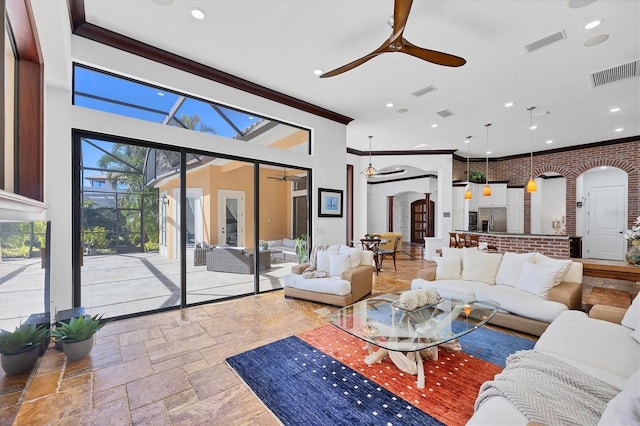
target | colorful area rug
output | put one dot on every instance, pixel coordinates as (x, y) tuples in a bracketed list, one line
[(320, 378)]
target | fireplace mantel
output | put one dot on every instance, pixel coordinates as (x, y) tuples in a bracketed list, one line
[(19, 208)]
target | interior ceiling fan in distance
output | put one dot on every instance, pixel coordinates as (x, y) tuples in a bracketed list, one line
[(397, 43), (285, 178)]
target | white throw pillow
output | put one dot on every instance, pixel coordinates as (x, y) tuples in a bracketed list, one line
[(480, 266), (624, 408), (631, 318), (537, 279), (636, 334), (562, 266), (355, 254), (448, 268), (338, 263), (322, 261), (511, 266)]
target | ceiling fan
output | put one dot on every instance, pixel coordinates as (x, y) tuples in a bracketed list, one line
[(397, 43), (285, 177)]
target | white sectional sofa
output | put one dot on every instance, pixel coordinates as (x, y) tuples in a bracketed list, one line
[(597, 349), (532, 289)]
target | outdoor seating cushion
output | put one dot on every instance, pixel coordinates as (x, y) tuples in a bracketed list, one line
[(331, 285), (521, 303)]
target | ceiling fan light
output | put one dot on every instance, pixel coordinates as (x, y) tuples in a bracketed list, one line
[(486, 191), (467, 194), (531, 186)]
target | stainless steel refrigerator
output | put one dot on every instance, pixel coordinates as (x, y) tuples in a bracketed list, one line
[(492, 219)]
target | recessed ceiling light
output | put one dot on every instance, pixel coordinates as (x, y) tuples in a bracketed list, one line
[(402, 110), (197, 13), (389, 105), (508, 105), (434, 125), (488, 152), (619, 129), (466, 141), (603, 167), (533, 127), (594, 41), (422, 145), (318, 72), (549, 141), (615, 109), (591, 25)]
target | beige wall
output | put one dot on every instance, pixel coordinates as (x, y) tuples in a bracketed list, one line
[(275, 202)]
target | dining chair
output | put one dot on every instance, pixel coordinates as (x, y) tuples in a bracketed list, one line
[(373, 244), (473, 240), (462, 240), (390, 252), (453, 239)]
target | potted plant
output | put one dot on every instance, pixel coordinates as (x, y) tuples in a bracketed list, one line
[(19, 350), (77, 336), (476, 176)]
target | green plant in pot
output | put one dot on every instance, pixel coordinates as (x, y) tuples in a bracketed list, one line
[(19, 350), (77, 336)]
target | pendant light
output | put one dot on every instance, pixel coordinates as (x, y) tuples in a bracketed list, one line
[(370, 171), (467, 193), (487, 189), (531, 185)]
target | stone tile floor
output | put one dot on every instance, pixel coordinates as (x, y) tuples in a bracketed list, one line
[(168, 368)]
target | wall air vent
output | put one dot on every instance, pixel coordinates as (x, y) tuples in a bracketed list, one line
[(560, 35), (430, 88), (620, 72), (445, 113)]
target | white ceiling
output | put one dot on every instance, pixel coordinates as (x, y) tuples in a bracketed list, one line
[(279, 43)]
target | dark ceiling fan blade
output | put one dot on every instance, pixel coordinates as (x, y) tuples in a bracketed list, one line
[(432, 56), (353, 64), (401, 9)]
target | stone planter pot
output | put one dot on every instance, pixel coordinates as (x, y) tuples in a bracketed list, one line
[(633, 254), (20, 362), (77, 350)]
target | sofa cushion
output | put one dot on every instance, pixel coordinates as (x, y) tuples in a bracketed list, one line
[(480, 266), (537, 279), (631, 318), (322, 261), (288, 242), (597, 345), (457, 286), (511, 266), (338, 263), (353, 253), (448, 268), (624, 409), (330, 285), (521, 303), (563, 265)]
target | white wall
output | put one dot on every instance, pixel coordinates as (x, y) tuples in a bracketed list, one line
[(328, 143), (548, 203)]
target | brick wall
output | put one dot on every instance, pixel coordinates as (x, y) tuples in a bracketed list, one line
[(557, 247), (570, 164)]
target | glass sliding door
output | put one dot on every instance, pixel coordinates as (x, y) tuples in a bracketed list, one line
[(221, 256), (282, 222), (130, 253)]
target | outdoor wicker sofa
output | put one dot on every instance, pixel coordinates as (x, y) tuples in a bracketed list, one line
[(236, 260)]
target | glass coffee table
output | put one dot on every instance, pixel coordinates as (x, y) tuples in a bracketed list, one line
[(406, 335)]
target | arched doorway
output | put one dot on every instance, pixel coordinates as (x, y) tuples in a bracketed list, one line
[(601, 212)]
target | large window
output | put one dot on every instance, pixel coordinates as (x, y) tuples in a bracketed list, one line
[(111, 93)]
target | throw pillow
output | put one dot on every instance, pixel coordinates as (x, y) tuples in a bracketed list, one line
[(480, 266), (322, 261), (537, 279), (624, 408), (511, 266), (636, 334), (631, 318), (313, 256), (338, 263), (562, 265), (448, 268), (355, 254)]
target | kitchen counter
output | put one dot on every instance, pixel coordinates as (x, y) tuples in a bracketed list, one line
[(509, 234), (550, 245)]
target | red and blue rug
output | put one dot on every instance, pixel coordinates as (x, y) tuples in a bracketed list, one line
[(320, 378)]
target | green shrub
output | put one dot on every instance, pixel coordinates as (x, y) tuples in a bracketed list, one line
[(151, 246), (96, 237), (78, 328), (22, 251)]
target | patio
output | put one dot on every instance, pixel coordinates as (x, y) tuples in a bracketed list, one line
[(123, 284)]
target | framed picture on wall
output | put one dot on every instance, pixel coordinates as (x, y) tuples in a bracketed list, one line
[(329, 202)]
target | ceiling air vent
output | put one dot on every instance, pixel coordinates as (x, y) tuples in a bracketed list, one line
[(620, 72), (545, 41), (430, 88), (445, 113)]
